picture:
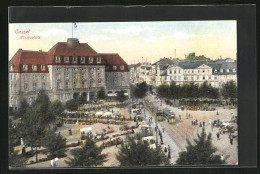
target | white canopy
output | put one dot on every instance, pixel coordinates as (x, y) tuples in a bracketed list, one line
[(148, 138), (107, 113), (86, 129), (99, 113)]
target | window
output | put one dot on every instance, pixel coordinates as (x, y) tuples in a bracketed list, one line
[(209, 77), (59, 96), (57, 59), (165, 78), (170, 71), (14, 76), (91, 83), (82, 84), (11, 76), (123, 83), (74, 84), (198, 71), (82, 60), (192, 71), (11, 68), (215, 70), (34, 86), (99, 75), (192, 78), (174, 71), (15, 87), (179, 77), (198, 77), (25, 67), (34, 67), (67, 96), (67, 69), (203, 71), (83, 76), (25, 86), (66, 85), (75, 76), (67, 75), (34, 77), (12, 100), (43, 76), (98, 60), (66, 59), (114, 68), (122, 67), (90, 60), (58, 76), (25, 77), (99, 82), (175, 77), (75, 59), (11, 88), (43, 67), (58, 85), (43, 85), (90, 75), (203, 78), (215, 77)]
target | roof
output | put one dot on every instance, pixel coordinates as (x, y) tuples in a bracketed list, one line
[(113, 59), (71, 48), (164, 61)]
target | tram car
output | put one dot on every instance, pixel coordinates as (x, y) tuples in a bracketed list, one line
[(155, 111), (169, 115)]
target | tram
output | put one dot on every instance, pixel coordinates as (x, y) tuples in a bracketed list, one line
[(169, 115)]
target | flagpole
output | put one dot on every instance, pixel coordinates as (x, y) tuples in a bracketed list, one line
[(72, 29)]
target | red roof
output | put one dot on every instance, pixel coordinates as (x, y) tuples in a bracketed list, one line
[(70, 49), (113, 59)]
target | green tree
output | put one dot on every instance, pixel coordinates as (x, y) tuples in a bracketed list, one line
[(229, 90), (163, 91), (35, 122), (121, 96), (14, 136), (16, 160), (88, 155), (140, 90), (57, 108), (55, 144), (201, 153), (139, 153), (101, 95), (22, 109), (72, 105)]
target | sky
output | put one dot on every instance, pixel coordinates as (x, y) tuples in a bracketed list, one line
[(133, 41)]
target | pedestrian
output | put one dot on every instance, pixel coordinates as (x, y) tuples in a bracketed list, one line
[(191, 122), (222, 157), (180, 117), (231, 140), (189, 115), (196, 122), (163, 129), (200, 124), (209, 121), (165, 149), (218, 136), (70, 132), (203, 123), (104, 145), (151, 118)]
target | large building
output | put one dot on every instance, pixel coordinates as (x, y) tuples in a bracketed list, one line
[(68, 70), (216, 73)]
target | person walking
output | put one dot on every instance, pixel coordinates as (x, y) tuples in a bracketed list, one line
[(203, 123), (200, 124), (231, 140), (163, 129), (191, 122), (180, 117), (218, 136), (196, 122)]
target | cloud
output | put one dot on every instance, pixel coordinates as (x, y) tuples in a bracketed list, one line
[(100, 37), (129, 30), (52, 32)]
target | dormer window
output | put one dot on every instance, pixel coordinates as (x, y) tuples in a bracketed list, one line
[(82, 60), (114, 68), (34, 67), (25, 67), (75, 59), (57, 59), (66, 59), (11, 68), (99, 60), (43, 67), (90, 60), (122, 67)]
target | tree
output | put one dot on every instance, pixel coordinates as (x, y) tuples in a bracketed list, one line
[(140, 90), (121, 96), (88, 155), (229, 90), (72, 105), (22, 109), (201, 153), (139, 153), (101, 94), (35, 122), (57, 108), (55, 144), (163, 91), (16, 160)]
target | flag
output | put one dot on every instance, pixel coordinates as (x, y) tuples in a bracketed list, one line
[(75, 25)]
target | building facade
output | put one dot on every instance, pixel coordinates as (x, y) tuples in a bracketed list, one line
[(68, 70), (216, 73)]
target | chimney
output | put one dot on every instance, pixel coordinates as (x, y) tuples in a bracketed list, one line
[(72, 41)]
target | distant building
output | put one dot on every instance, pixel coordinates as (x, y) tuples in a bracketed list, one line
[(216, 73), (68, 70)]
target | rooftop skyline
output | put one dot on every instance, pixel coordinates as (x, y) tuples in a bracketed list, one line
[(134, 40)]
